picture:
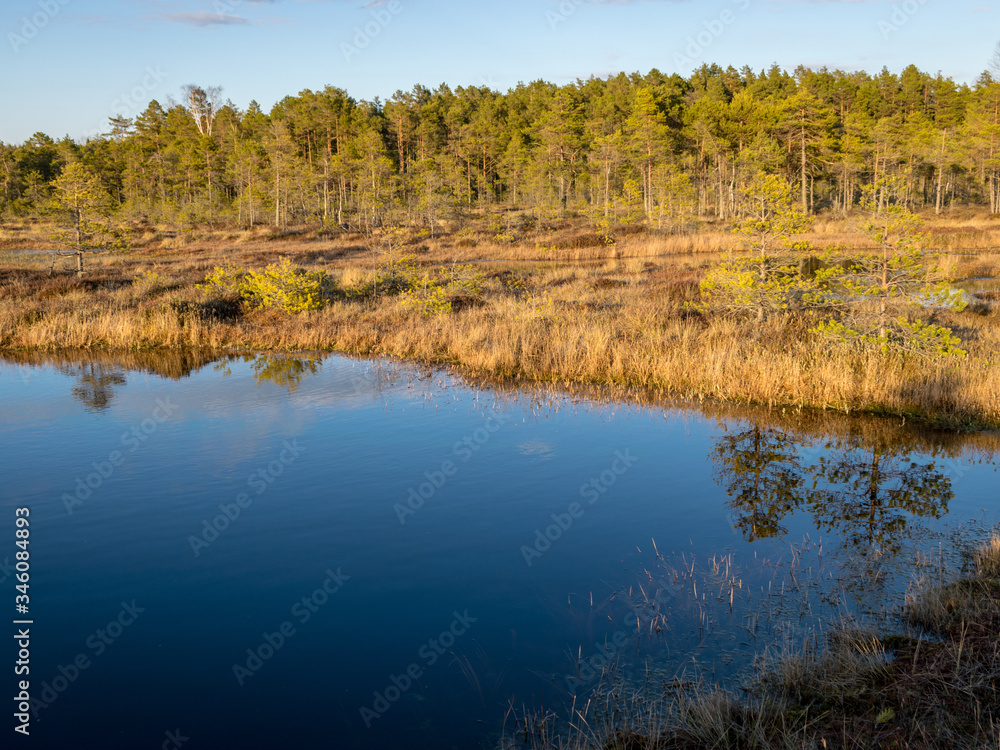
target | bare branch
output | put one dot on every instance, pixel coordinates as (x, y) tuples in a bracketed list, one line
[(203, 104)]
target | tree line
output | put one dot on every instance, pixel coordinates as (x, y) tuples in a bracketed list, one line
[(662, 149)]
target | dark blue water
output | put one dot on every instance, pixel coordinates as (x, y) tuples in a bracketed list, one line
[(292, 553)]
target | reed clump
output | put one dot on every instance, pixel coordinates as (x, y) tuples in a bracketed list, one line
[(931, 685)]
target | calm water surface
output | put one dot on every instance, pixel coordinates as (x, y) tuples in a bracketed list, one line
[(273, 552)]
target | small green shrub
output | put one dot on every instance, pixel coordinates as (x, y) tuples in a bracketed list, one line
[(463, 280), (434, 294), (900, 335), (283, 286), (147, 283), (280, 286), (391, 277), (428, 299), (223, 281)]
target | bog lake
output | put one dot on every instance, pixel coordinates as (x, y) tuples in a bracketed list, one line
[(278, 551)]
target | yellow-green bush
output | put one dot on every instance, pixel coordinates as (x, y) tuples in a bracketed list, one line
[(429, 299), (432, 295), (281, 286), (462, 279), (147, 283), (223, 281)]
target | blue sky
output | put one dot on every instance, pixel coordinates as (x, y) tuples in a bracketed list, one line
[(68, 65)]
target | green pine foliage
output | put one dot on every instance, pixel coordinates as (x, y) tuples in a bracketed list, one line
[(665, 150), (871, 289), (860, 299), (760, 281)]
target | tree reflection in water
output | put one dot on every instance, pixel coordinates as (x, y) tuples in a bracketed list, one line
[(95, 387), (759, 469), (865, 488), (873, 491), (280, 369)]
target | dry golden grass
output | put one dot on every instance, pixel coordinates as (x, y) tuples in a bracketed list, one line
[(987, 559), (932, 686), (608, 321), (959, 230)]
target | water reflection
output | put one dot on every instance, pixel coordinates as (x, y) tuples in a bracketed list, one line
[(100, 374), (760, 470), (168, 363), (648, 580), (874, 491), (866, 487), (95, 384), (282, 370)]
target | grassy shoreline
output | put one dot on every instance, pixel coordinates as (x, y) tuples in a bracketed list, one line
[(927, 683), (622, 322)]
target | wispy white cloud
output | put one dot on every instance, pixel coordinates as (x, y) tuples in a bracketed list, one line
[(200, 18)]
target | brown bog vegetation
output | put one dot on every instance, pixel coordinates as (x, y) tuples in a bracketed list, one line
[(558, 305), (929, 682)]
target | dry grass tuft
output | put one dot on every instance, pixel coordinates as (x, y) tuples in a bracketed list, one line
[(987, 559), (930, 690)]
